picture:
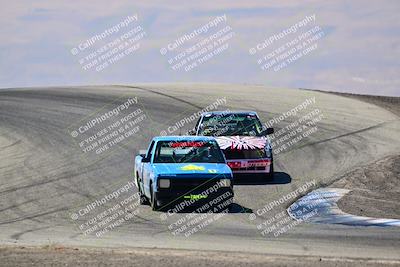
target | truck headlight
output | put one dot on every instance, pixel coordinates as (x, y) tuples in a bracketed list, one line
[(225, 182), (164, 183)]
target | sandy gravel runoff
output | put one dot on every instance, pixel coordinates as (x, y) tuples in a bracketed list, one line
[(61, 256), (375, 186)]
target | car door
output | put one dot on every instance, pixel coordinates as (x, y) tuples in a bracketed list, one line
[(147, 169)]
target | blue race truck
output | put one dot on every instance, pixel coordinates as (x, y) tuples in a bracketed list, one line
[(182, 168)]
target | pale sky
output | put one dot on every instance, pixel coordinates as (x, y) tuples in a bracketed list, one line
[(359, 51)]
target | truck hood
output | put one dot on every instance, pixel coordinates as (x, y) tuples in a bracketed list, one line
[(211, 169), (242, 142)]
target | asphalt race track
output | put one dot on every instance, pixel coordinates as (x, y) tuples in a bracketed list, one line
[(45, 177)]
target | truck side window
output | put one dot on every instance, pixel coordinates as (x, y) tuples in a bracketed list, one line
[(148, 155)]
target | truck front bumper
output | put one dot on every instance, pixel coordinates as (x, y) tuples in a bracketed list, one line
[(193, 197)]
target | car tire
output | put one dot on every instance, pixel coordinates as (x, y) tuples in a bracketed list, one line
[(153, 202), (230, 207), (270, 175), (143, 200)]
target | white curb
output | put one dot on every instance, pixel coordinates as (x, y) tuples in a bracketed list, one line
[(320, 206)]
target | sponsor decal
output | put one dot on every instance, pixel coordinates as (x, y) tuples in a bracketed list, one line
[(249, 163), (187, 144), (240, 143), (195, 197), (192, 167)]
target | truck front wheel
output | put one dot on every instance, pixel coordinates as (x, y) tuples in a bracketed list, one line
[(143, 200), (154, 204)]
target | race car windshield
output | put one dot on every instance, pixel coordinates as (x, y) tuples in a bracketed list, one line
[(188, 151), (231, 124)]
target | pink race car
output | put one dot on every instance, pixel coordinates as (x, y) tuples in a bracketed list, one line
[(242, 138)]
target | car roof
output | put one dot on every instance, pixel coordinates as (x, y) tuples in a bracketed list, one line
[(183, 137), (229, 112)]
